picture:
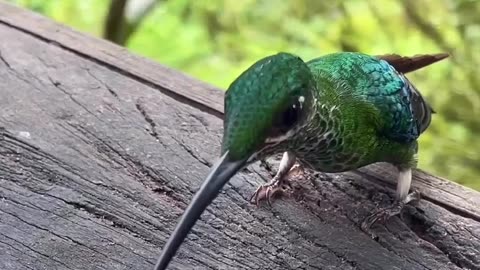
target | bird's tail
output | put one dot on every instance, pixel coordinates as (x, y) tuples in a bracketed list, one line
[(405, 64)]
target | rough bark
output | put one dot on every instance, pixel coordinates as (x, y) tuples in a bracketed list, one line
[(100, 152)]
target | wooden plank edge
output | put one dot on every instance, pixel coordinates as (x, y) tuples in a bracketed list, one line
[(169, 81), (458, 199)]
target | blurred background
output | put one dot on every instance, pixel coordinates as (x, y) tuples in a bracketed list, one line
[(216, 40)]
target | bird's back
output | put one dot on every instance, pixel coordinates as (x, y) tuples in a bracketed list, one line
[(402, 112)]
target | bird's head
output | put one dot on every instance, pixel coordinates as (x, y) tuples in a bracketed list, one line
[(264, 107)]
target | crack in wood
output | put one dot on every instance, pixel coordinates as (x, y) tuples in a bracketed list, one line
[(143, 112), (58, 85), (67, 238), (35, 251), (4, 61), (148, 176), (109, 89), (183, 99), (81, 206)]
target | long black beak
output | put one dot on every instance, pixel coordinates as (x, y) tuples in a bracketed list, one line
[(223, 170)]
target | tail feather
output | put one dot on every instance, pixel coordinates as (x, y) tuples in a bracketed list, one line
[(405, 64)]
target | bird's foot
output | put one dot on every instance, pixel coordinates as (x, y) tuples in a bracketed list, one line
[(384, 214), (267, 191), (277, 183)]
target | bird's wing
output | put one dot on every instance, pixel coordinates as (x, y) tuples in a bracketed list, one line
[(380, 81), (405, 111)]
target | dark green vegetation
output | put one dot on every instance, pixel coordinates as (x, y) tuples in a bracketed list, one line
[(216, 40)]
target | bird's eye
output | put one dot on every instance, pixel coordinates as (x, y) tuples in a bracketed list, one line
[(287, 119)]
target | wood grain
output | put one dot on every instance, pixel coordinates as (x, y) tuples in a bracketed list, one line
[(97, 165), (170, 82)]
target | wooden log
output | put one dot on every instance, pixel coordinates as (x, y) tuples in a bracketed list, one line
[(101, 150)]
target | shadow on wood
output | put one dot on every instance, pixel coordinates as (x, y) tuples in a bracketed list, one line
[(100, 152)]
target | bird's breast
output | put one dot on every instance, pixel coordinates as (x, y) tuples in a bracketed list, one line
[(331, 151), (331, 162)]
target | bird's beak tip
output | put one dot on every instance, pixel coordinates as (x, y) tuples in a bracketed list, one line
[(219, 175)]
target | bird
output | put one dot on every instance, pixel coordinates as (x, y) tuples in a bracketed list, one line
[(334, 113)]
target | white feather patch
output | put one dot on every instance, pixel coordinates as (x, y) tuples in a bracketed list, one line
[(404, 183), (280, 138)]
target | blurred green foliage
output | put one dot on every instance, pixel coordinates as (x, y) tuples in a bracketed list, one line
[(216, 40)]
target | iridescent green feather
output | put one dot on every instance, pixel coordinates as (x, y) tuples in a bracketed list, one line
[(365, 108), (258, 96), (358, 110), (378, 83)]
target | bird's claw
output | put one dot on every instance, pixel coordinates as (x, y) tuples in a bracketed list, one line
[(381, 215), (384, 214), (267, 192)]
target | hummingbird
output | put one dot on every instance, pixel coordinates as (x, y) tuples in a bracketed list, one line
[(334, 113)]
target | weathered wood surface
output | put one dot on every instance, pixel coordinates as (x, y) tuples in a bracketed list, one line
[(100, 152)]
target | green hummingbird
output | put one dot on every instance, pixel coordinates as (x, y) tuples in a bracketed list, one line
[(335, 113)]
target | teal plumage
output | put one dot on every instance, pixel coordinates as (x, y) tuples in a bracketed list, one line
[(370, 112), (405, 112)]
